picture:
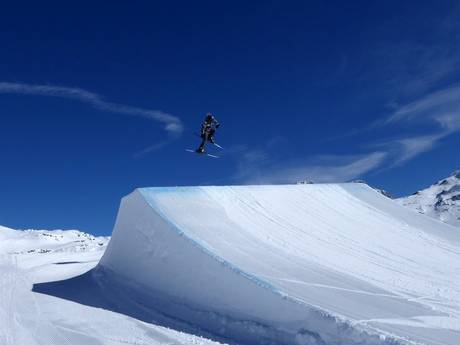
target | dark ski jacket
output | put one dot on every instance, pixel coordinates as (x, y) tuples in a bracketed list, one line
[(209, 126)]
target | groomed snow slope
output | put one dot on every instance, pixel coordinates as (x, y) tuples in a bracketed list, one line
[(292, 264)]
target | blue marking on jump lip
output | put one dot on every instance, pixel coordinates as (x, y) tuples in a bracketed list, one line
[(201, 246)]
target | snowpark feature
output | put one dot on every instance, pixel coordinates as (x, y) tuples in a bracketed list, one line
[(293, 264)]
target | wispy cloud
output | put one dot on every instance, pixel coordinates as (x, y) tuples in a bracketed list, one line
[(440, 111), (171, 123), (151, 148), (436, 115), (251, 165), (421, 110), (260, 169), (330, 168), (414, 67), (441, 107), (409, 148)]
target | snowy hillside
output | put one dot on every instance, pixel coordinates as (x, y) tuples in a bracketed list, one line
[(31, 313), (43, 241), (302, 264), (440, 201)]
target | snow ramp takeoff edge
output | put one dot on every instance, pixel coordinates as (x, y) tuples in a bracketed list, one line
[(292, 264)]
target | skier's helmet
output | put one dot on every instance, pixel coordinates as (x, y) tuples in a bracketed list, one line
[(209, 117)]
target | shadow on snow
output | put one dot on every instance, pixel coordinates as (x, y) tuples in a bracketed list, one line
[(101, 289)]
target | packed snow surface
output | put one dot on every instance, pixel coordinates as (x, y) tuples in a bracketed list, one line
[(46, 298), (440, 201), (294, 264)]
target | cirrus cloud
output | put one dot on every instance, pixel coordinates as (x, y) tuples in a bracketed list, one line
[(172, 124)]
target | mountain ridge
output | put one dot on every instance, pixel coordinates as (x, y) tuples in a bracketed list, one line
[(440, 201)]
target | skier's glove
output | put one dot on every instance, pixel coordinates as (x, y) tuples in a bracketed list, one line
[(218, 125)]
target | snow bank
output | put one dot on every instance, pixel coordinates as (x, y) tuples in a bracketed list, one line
[(292, 264)]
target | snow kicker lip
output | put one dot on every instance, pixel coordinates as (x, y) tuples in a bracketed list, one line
[(160, 243)]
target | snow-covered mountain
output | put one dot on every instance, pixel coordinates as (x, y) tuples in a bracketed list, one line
[(45, 241), (32, 261), (440, 201)]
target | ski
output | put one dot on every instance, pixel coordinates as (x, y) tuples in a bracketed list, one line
[(204, 153)]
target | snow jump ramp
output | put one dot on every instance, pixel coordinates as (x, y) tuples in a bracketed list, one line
[(323, 264)]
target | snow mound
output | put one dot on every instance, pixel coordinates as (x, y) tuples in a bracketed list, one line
[(440, 201), (294, 264)]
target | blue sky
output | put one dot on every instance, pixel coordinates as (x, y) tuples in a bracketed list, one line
[(100, 98)]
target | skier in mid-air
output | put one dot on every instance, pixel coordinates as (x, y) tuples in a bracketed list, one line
[(208, 129)]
